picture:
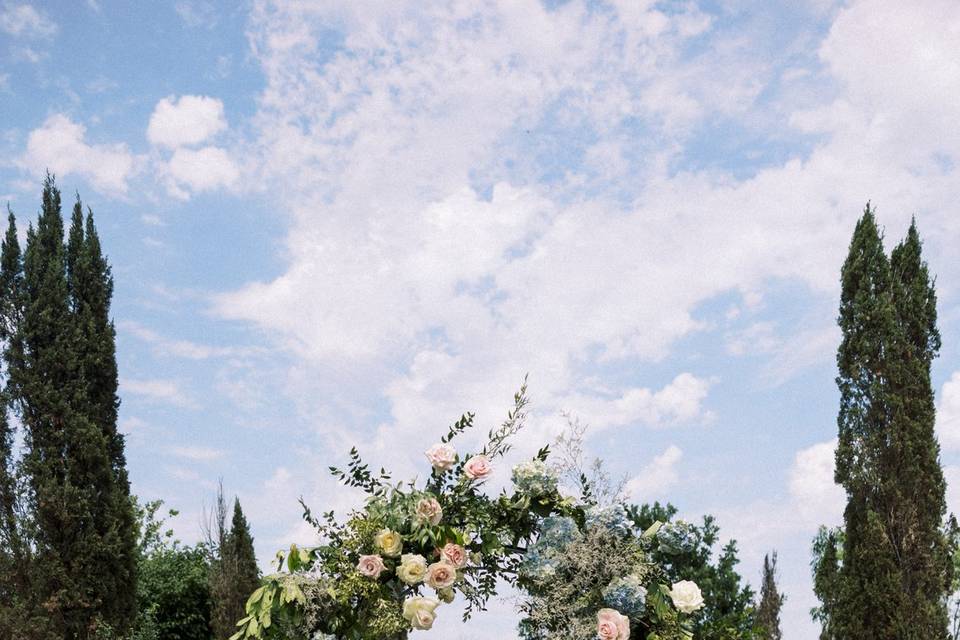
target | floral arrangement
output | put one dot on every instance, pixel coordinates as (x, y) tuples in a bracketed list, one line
[(389, 568)]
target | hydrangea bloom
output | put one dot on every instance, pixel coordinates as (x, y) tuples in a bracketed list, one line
[(626, 595), (538, 564), (558, 531), (676, 537), (612, 518), (534, 478)]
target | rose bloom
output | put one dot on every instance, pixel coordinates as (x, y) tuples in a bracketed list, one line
[(371, 566), (612, 625), (478, 467), (454, 554), (428, 510), (389, 542), (412, 569), (441, 456), (441, 575), (419, 611), (686, 596)]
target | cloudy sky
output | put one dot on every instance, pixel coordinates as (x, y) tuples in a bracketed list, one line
[(349, 222)]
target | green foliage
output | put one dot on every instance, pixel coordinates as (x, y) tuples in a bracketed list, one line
[(234, 575), (67, 499), (173, 590), (891, 578), (771, 600), (729, 612), (173, 595)]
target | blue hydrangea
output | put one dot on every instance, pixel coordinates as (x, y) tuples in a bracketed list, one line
[(676, 537), (613, 518), (538, 564), (557, 532), (626, 595), (534, 478)]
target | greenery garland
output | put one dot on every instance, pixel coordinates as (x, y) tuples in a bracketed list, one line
[(389, 567)]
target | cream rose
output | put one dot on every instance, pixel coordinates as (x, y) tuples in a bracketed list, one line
[(478, 467), (612, 625), (686, 596), (454, 554), (419, 611), (412, 569), (389, 542), (442, 456), (371, 566), (428, 510), (441, 575)]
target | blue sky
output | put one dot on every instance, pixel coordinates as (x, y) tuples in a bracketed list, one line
[(348, 222)]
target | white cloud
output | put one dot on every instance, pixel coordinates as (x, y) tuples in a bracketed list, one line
[(60, 146), (815, 496), (679, 402), (22, 20), (152, 220), (445, 237), (186, 120), (179, 348), (195, 170), (197, 454), (164, 391), (196, 13), (657, 476), (948, 414)]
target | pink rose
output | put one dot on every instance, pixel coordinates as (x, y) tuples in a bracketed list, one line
[(441, 575), (442, 456), (612, 625), (428, 510), (478, 467), (371, 566), (454, 554)]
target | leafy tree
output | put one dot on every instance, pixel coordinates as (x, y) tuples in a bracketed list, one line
[(893, 574), (771, 600), (728, 613), (173, 594)]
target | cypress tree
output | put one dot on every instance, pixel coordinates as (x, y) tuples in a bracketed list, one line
[(236, 575), (913, 489), (768, 611), (891, 577), (91, 289), (71, 493)]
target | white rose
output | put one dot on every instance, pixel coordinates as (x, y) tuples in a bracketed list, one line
[(441, 456), (419, 611), (686, 596), (412, 569), (389, 542), (478, 467), (428, 510)]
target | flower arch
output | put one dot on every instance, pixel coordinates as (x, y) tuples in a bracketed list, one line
[(584, 569)]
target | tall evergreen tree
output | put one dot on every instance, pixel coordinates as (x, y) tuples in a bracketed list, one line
[(91, 289), (79, 511), (913, 489), (237, 575), (771, 600), (895, 572)]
